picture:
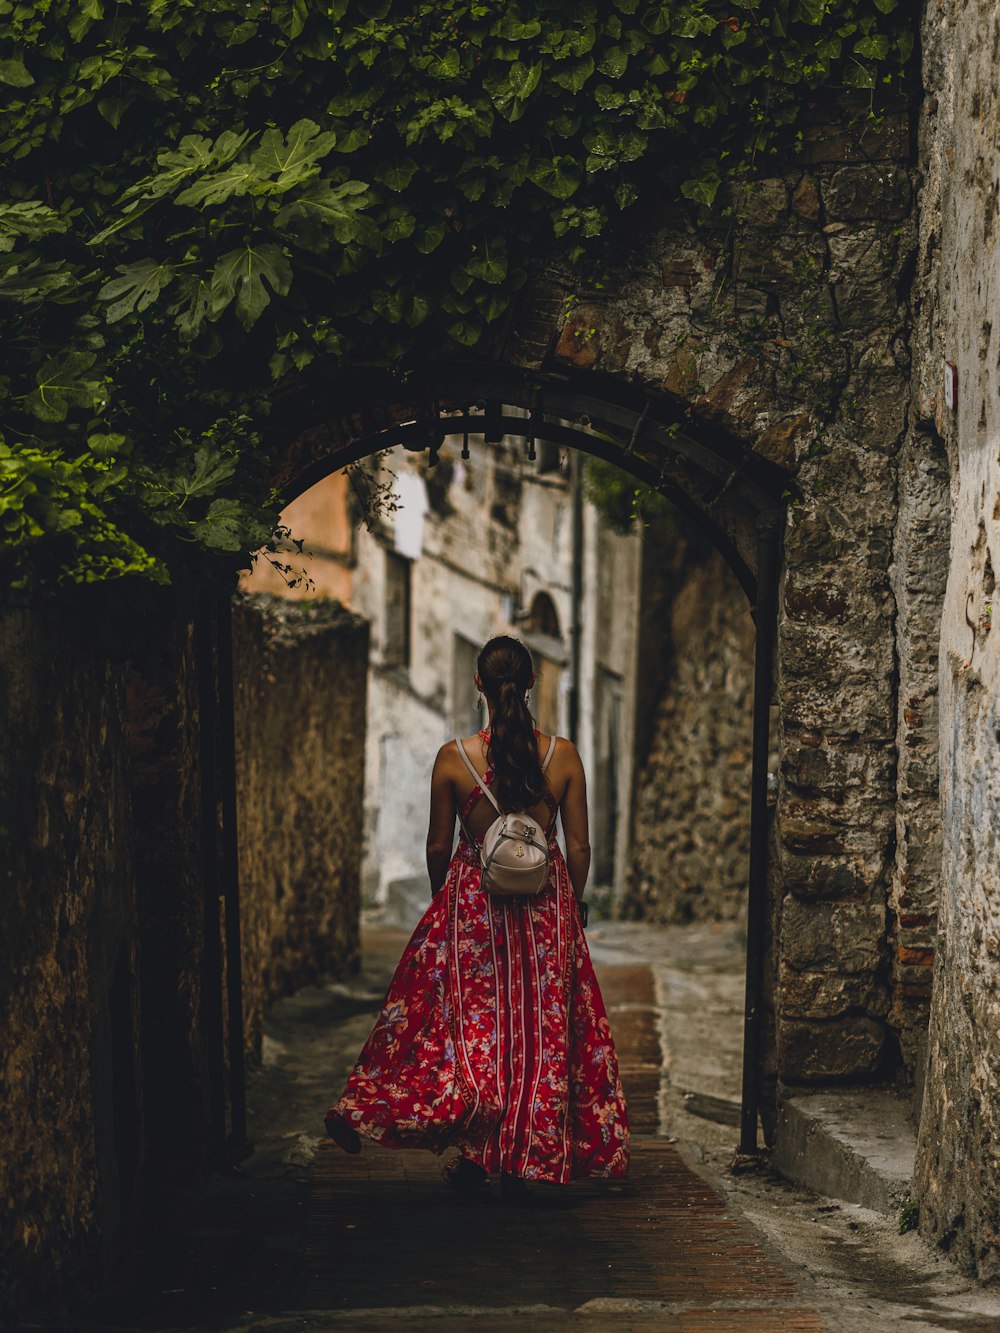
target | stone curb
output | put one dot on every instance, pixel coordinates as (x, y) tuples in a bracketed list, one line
[(854, 1144)]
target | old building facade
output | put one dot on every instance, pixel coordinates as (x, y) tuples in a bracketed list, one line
[(468, 548)]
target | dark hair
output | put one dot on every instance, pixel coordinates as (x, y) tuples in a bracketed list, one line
[(505, 670)]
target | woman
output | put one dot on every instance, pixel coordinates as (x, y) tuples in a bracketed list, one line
[(493, 1037)]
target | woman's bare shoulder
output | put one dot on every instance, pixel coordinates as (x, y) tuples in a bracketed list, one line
[(448, 753), (565, 755), (564, 745), (446, 756)]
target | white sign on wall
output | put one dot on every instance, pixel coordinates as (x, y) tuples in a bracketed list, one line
[(411, 497)]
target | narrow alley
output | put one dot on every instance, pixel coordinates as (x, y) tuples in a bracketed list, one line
[(304, 1237), (341, 341)]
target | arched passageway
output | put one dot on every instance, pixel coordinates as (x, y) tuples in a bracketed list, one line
[(714, 360), (732, 495)]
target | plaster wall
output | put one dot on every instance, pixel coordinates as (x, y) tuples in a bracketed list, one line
[(325, 512), (497, 534), (609, 718)]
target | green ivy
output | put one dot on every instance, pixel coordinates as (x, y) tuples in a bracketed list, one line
[(207, 197)]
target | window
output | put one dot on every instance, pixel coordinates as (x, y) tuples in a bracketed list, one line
[(543, 617), (398, 599)]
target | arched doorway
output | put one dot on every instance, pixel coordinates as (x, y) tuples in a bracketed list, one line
[(543, 635)]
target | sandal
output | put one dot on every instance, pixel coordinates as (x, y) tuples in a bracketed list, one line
[(343, 1135), (465, 1176)]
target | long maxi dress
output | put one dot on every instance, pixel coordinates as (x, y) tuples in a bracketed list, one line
[(493, 1037)]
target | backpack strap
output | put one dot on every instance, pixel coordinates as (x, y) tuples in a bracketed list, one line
[(477, 779), (545, 763), (549, 753)]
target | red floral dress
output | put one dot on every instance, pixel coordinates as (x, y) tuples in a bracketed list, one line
[(493, 1037)]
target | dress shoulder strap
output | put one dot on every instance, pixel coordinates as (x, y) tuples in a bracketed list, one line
[(477, 779)]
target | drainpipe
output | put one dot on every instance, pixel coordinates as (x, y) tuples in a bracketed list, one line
[(576, 591), (769, 528)]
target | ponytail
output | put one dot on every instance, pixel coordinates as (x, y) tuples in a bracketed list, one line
[(505, 670)]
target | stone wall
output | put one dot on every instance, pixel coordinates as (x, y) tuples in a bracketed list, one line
[(791, 330), (111, 1038), (70, 1149), (690, 834), (301, 672), (920, 568), (958, 1165), (181, 1019)]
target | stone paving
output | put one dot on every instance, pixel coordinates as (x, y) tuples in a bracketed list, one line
[(302, 1238), (659, 1251)]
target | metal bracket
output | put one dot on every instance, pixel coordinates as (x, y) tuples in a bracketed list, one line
[(727, 483), (492, 429), (640, 422)]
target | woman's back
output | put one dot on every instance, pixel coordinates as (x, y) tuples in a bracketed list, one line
[(480, 814)]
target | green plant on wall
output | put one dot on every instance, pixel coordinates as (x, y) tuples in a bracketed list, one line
[(205, 199)]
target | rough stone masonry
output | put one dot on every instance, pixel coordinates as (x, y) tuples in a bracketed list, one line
[(958, 286), (790, 328)]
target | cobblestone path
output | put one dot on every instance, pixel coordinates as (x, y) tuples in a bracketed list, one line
[(389, 1247)]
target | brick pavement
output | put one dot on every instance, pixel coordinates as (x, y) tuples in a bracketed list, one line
[(388, 1246)]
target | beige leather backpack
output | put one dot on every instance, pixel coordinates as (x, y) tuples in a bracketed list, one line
[(514, 852)]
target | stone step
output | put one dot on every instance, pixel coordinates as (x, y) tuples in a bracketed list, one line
[(855, 1144)]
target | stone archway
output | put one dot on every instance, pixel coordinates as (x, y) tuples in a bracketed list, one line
[(708, 471), (775, 340), (713, 361), (736, 496)]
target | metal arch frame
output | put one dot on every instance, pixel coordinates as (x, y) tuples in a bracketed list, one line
[(413, 436), (642, 421), (761, 486), (566, 394)]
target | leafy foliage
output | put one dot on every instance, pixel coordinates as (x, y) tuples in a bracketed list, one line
[(205, 197), (622, 502)]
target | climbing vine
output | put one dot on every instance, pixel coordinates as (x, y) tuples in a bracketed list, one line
[(206, 198)]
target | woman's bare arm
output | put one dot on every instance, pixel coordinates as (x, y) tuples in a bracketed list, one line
[(575, 821), (441, 827)]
